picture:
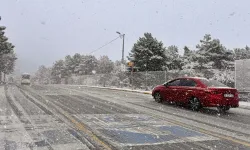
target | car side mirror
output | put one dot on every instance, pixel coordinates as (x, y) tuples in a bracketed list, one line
[(166, 84)]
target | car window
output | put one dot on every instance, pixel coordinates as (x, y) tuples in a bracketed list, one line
[(187, 82), (25, 76), (212, 83), (174, 83)]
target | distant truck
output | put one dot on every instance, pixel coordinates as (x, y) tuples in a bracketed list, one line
[(25, 80), (242, 78)]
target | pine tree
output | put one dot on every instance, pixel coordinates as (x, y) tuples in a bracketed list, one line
[(88, 64), (148, 54), (7, 55), (211, 54), (173, 59), (187, 51), (58, 71)]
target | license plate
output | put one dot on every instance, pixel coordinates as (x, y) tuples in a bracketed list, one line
[(228, 95)]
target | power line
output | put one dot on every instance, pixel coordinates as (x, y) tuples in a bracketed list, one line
[(104, 45)]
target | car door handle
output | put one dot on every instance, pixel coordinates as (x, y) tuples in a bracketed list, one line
[(190, 90), (174, 89)]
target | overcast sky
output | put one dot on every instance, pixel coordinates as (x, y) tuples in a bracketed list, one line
[(46, 30)]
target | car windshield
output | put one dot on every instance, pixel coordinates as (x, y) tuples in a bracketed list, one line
[(213, 83), (25, 76)]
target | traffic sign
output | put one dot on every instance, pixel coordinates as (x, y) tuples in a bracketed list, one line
[(131, 64)]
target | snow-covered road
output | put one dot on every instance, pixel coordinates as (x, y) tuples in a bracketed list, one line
[(78, 117)]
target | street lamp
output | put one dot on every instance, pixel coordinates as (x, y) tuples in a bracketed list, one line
[(122, 36)]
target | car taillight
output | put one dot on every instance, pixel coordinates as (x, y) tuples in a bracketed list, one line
[(236, 94)]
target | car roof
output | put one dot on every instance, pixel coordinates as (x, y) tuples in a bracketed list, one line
[(25, 73), (195, 78)]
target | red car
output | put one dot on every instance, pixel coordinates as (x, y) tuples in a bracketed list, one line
[(196, 93)]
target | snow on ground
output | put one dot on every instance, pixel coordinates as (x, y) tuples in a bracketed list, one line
[(247, 104), (2, 91)]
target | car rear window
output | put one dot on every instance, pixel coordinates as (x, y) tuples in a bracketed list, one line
[(212, 83), (26, 76)]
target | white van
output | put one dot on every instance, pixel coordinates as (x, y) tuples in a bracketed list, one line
[(25, 80)]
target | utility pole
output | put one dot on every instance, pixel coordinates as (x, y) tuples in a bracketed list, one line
[(0, 71), (123, 37)]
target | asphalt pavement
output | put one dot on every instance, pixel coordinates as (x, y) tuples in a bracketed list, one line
[(76, 117)]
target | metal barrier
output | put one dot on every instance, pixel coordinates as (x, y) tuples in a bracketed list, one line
[(147, 80)]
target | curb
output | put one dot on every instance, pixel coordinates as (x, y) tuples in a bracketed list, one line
[(117, 89)]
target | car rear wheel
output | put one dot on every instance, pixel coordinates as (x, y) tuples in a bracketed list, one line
[(158, 97), (194, 104)]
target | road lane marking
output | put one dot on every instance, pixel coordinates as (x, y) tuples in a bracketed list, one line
[(225, 137), (140, 129), (81, 127), (212, 133)]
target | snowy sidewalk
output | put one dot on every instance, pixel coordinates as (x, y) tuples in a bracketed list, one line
[(245, 105), (13, 134), (119, 89)]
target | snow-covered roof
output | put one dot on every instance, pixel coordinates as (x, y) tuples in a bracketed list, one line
[(25, 74)]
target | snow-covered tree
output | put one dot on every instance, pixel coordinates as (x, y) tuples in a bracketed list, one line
[(43, 75), (58, 71), (212, 52), (118, 77), (7, 55), (173, 59), (70, 64), (87, 65), (148, 54), (80, 64), (187, 52), (242, 53), (105, 67)]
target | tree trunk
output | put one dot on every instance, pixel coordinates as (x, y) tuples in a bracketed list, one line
[(0, 76), (4, 77)]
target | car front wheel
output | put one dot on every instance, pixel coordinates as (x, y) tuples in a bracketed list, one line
[(194, 104), (158, 97)]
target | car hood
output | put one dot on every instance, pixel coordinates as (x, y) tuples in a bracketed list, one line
[(158, 86)]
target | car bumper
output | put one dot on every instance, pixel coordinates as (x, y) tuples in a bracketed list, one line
[(221, 102)]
